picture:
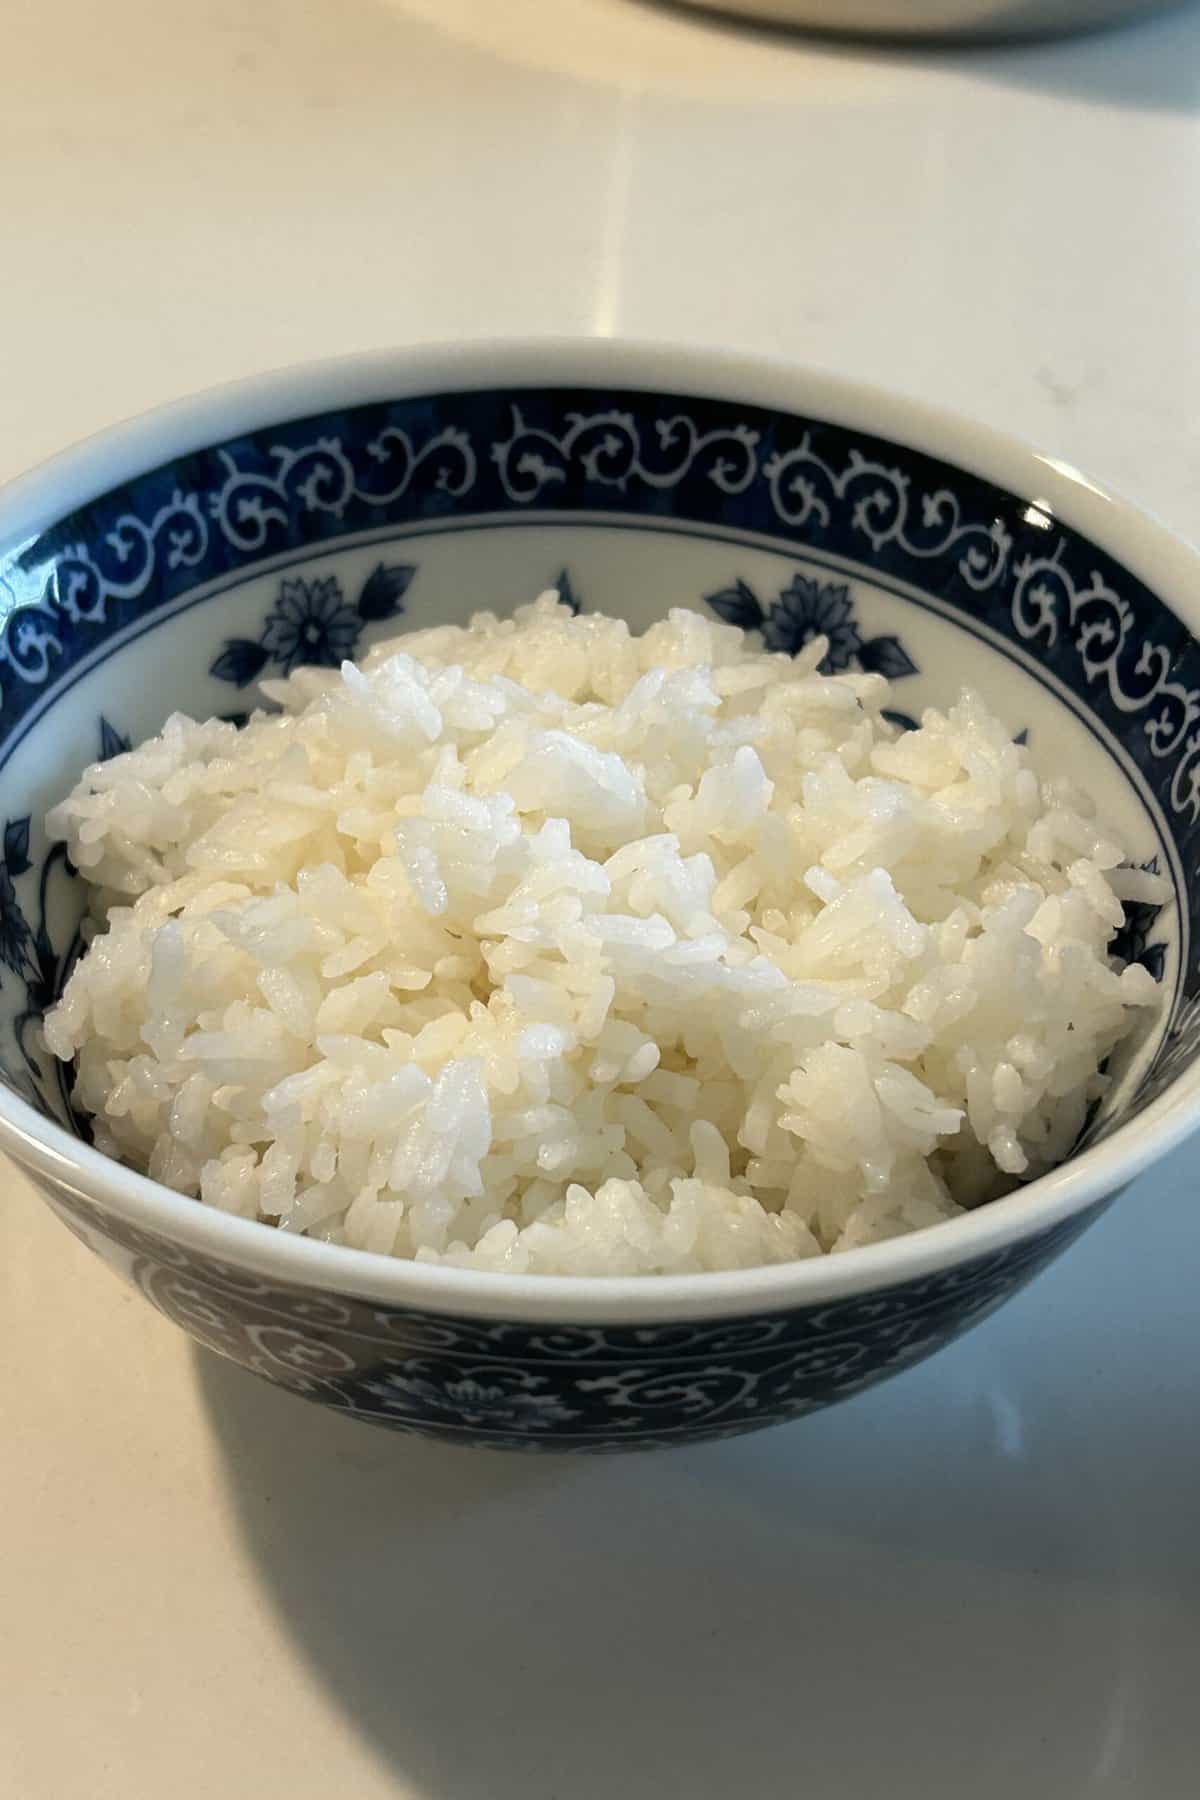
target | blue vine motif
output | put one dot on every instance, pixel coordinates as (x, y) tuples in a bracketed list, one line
[(986, 553), (252, 511), (608, 449), (807, 489), (250, 504), (808, 609), (833, 498), (313, 624), (253, 500), (582, 1387)]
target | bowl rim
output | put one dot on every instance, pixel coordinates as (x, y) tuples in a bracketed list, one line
[(1162, 561)]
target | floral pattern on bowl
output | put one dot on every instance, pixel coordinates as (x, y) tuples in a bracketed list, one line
[(511, 1385), (305, 540), (313, 624)]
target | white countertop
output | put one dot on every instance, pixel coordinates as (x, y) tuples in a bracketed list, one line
[(983, 1578)]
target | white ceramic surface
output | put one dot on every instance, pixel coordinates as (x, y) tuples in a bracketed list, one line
[(193, 194), (641, 477), (667, 571)]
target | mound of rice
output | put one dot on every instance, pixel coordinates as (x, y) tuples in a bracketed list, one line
[(537, 946)]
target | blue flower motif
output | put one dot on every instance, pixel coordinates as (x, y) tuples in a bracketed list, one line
[(1132, 942), (311, 623), (806, 610), (514, 1406), (16, 940)]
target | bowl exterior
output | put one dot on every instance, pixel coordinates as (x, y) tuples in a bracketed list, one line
[(508, 1384), (994, 20), (177, 561)]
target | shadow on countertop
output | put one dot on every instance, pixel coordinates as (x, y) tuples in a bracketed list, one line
[(1145, 64), (966, 1563)]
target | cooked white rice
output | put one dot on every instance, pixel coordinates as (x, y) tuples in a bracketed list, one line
[(537, 946)]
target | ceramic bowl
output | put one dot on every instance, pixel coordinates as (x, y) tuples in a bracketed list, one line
[(940, 20), (172, 562)]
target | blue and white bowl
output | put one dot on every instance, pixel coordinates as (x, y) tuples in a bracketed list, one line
[(170, 563)]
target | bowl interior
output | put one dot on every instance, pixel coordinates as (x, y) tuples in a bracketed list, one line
[(307, 540)]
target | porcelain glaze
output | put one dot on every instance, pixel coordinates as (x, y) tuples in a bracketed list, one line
[(173, 564)]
